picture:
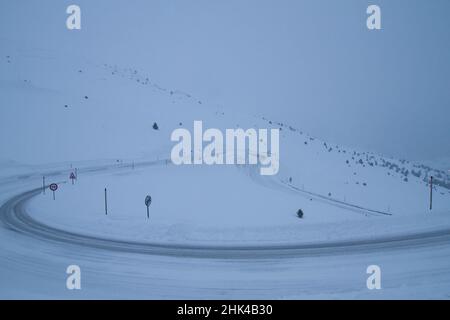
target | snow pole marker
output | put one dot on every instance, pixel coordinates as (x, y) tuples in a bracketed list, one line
[(431, 193), (43, 184), (106, 203)]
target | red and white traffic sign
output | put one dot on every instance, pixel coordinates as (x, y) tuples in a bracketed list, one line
[(53, 187), (72, 177)]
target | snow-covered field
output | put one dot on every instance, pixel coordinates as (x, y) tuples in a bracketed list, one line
[(211, 212), (213, 231)]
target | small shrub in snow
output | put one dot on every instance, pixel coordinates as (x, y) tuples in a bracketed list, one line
[(300, 213), (155, 126)]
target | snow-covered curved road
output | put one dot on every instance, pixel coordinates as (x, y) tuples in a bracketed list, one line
[(15, 216), (34, 257)]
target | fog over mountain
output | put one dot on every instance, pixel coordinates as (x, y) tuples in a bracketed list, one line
[(313, 62)]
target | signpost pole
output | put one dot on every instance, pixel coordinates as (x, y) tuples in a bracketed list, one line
[(72, 177), (43, 184), (53, 188)]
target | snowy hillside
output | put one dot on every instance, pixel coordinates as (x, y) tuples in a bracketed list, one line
[(213, 231), (72, 110)]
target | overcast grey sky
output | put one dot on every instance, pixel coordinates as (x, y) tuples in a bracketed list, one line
[(311, 63)]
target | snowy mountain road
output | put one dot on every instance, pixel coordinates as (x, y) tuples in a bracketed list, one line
[(14, 215), (34, 257)]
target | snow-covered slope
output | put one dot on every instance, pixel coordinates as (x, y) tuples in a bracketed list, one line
[(67, 110)]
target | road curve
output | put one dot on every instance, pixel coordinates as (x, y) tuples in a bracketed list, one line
[(15, 217)]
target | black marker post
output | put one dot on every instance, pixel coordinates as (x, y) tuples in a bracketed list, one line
[(106, 203), (148, 201), (431, 193)]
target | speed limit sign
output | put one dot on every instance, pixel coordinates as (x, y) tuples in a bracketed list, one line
[(53, 187)]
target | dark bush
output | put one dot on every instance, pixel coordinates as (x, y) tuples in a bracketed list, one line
[(300, 213)]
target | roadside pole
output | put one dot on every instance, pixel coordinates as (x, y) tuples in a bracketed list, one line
[(106, 203), (431, 193), (43, 184)]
